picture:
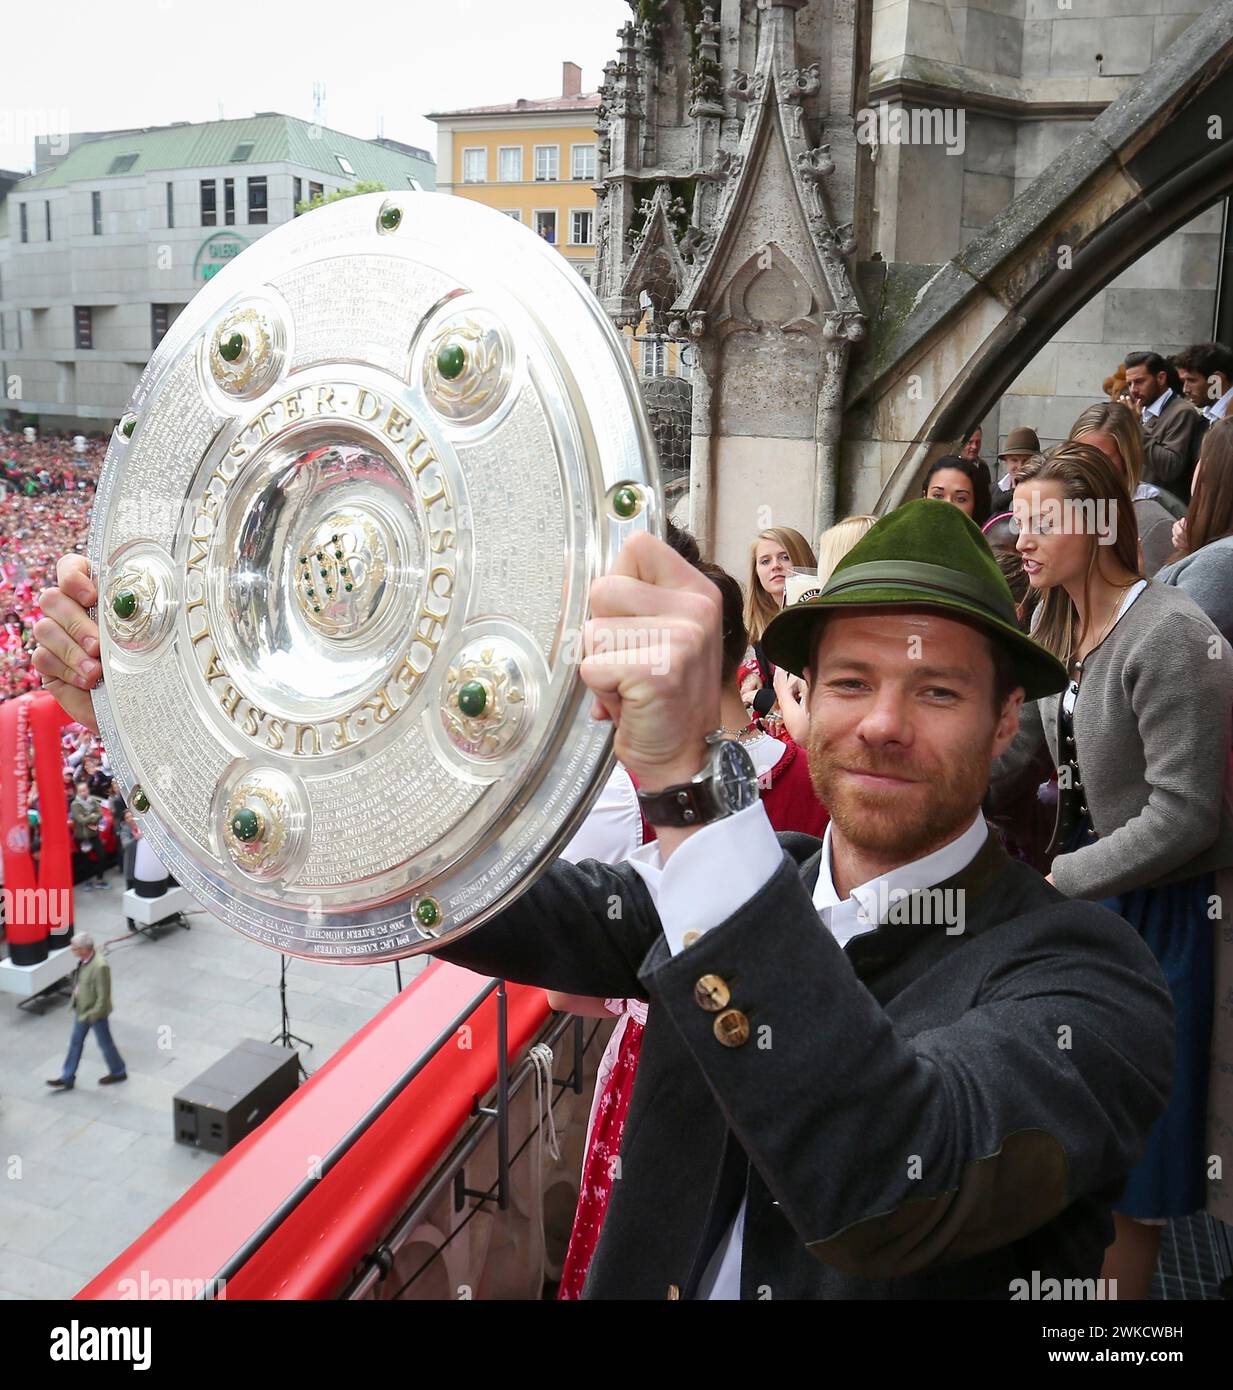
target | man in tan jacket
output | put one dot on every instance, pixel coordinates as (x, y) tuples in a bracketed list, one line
[(92, 1005)]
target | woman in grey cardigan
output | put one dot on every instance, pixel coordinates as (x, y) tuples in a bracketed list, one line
[(1203, 563), (1141, 740)]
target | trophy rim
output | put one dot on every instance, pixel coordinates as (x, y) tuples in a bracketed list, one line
[(598, 398)]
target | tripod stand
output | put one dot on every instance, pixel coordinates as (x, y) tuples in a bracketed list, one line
[(286, 1038)]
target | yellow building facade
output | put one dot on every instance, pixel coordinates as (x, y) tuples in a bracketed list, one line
[(533, 160)]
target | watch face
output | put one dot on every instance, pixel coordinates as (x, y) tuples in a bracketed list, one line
[(736, 780)]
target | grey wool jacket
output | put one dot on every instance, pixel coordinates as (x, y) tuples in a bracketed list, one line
[(1207, 576), (917, 1115), (1152, 736)]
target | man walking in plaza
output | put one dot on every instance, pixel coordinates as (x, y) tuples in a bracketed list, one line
[(92, 1005)]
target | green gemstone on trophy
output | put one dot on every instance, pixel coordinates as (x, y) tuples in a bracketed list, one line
[(428, 912), (246, 824), (129, 425), (230, 347), (472, 699), (625, 502), (141, 802), (451, 360), (390, 218), (124, 605)]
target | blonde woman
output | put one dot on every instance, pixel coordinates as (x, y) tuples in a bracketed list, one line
[(1113, 429), (775, 553), (790, 691), (1140, 739)]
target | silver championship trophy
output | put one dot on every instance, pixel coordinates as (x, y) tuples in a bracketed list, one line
[(343, 540)]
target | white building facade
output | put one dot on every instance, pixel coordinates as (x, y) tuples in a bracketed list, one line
[(101, 251)]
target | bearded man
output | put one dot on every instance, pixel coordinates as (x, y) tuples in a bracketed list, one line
[(893, 1064)]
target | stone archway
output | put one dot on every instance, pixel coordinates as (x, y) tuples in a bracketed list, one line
[(948, 343)]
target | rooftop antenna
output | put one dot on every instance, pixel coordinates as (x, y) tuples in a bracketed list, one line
[(318, 103)]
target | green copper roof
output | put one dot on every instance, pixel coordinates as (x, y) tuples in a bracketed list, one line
[(275, 139)]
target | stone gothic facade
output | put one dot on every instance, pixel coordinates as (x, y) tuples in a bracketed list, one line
[(728, 192)]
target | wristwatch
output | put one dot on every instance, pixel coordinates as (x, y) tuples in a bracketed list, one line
[(728, 783)]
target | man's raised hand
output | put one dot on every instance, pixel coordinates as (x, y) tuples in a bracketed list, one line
[(651, 656), (68, 648)]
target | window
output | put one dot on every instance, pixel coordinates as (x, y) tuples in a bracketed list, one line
[(297, 196), (229, 202), (474, 166), (583, 162), (160, 321), (315, 192), (171, 205), (345, 165), (512, 212), (83, 326), (47, 216), (96, 213), (546, 225), (584, 270), (209, 202), (413, 182), (241, 152), (580, 226), (547, 162), (122, 163), (258, 210), (23, 217), (653, 358), (509, 164)]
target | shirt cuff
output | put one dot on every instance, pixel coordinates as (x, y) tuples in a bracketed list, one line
[(710, 875)]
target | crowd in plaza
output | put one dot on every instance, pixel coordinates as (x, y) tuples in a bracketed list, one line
[(47, 487)]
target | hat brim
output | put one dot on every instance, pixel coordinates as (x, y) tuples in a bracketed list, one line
[(788, 639)]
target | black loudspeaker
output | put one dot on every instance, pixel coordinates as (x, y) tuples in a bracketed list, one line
[(231, 1098)]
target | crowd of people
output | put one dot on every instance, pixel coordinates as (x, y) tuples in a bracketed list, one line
[(47, 485), (46, 499)]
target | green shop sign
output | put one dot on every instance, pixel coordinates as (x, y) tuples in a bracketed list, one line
[(215, 252)]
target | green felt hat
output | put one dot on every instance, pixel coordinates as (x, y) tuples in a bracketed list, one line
[(925, 554)]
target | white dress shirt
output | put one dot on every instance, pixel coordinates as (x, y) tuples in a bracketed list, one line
[(723, 866), (1160, 402)]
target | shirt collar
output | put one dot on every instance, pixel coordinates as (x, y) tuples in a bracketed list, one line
[(1160, 402), (860, 911), (1219, 409)]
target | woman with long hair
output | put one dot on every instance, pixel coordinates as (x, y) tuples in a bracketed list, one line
[(1202, 563), (962, 481), (775, 553), (1141, 742), (1113, 429)]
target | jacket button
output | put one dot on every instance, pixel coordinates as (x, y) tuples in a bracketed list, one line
[(712, 993), (690, 937), (732, 1028)]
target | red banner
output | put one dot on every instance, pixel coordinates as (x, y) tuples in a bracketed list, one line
[(38, 908)]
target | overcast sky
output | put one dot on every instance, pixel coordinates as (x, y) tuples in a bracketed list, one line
[(104, 64)]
